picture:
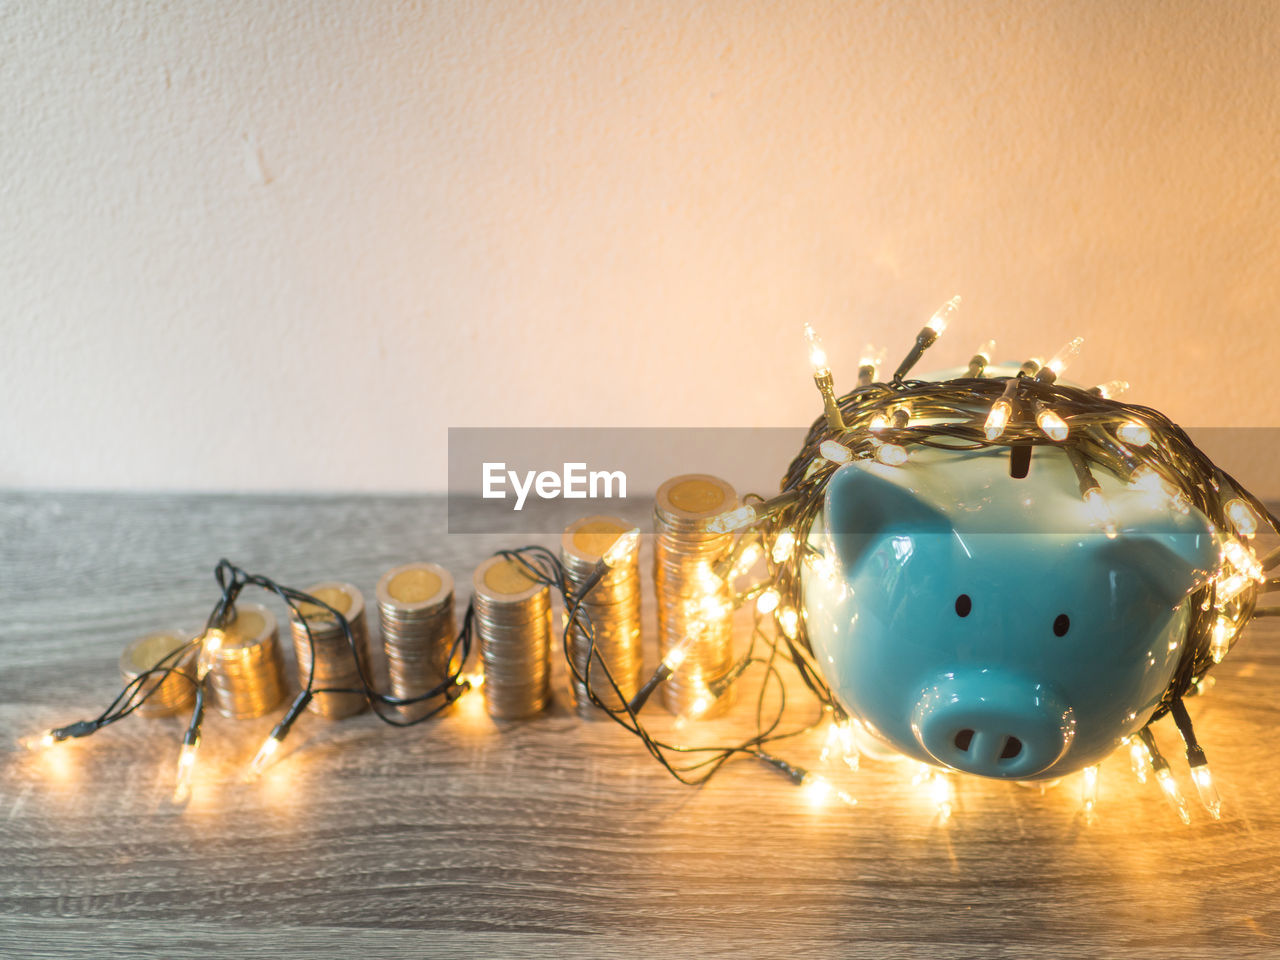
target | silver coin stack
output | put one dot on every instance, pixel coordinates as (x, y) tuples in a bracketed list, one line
[(335, 665), (693, 603), (165, 695), (246, 675), (415, 609), (513, 626), (613, 607)]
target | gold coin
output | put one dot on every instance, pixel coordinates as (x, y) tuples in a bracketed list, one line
[(144, 653), (595, 536), (508, 577), (696, 496), (246, 628), (335, 597), (414, 586)]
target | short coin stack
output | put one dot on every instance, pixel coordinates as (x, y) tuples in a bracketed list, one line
[(613, 607), (513, 625), (693, 602), (335, 665), (246, 674), (165, 695), (415, 609)]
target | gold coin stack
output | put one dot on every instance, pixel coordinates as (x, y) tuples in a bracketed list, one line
[(165, 695), (335, 665), (693, 602), (246, 674), (613, 607), (513, 625), (415, 609)]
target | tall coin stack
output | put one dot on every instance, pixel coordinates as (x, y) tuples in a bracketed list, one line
[(513, 625), (165, 695), (693, 603), (247, 671), (335, 665), (415, 609), (614, 609)]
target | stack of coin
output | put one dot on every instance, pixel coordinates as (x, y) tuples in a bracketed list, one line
[(613, 607), (246, 674), (335, 664), (415, 608), (513, 625), (165, 695), (693, 602)]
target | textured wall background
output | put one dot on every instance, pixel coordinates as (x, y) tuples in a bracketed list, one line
[(287, 244)]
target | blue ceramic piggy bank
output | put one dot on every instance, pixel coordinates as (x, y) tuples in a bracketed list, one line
[(986, 623)]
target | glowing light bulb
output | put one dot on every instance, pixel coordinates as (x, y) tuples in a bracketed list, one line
[(1111, 389), (788, 621), (1098, 509), (840, 741), (1134, 433), (938, 322), (998, 419), (986, 351), (1220, 641), (1243, 559), (621, 550), (1089, 793), (1058, 362), (1147, 481), (879, 422), (186, 771), (746, 559), (1053, 426), (869, 364), (1231, 587), (819, 790), (817, 355), (1242, 517), (1203, 780), (39, 741), (210, 644), (835, 452), (767, 602), (262, 758), (733, 519), (1139, 759), (1170, 787), (474, 680), (677, 655), (713, 608), (942, 792), (891, 454), (783, 546)]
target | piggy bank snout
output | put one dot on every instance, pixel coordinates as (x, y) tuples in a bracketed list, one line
[(993, 724)]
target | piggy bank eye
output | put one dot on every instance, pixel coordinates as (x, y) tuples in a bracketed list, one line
[(1061, 624), (963, 604)]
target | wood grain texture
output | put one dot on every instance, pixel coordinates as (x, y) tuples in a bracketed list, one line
[(554, 837)]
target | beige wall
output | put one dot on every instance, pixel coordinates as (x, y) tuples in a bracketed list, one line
[(286, 244)]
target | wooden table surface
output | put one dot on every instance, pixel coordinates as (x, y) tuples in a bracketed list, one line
[(556, 837)]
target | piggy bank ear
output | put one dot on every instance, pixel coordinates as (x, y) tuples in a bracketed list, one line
[(862, 507), (1171, 564)]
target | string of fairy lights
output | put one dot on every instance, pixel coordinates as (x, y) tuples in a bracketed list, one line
[(882, 420)]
